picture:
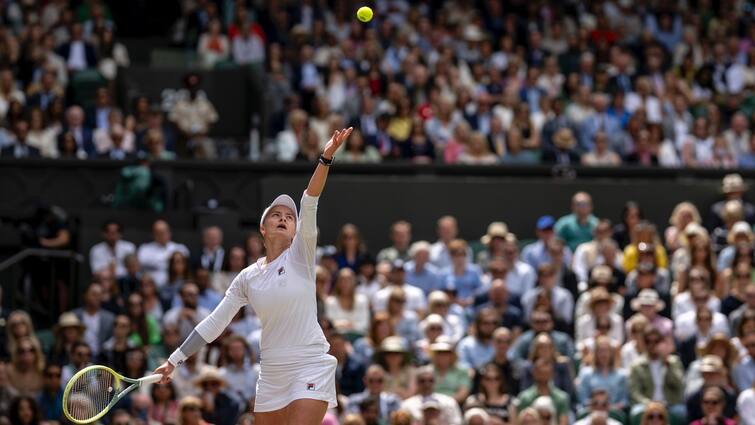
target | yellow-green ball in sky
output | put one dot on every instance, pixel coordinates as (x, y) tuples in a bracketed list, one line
[(364, 14)]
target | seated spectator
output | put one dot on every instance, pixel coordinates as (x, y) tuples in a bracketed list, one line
[(739, 281), (655, 413), (81, 134), (658, 360), (493, 240), (194, 115), (563, 152), (401, 238), (683, 214), (151, 301), (153, 256), (81, 357), (233, 264), (450, 379), (77, 52), (447, 231), (498, 299), (449, 408), (112, 251), (744, 371), (476, 349), (565, 278), (154, 147), (713, 408), (542, 373), (648, 274), (50, 399), (588, 255), (577, 227), (20, 147), (68, 331), (644, 233), (515, 149), (42, 135), (432, 328), (419, 271), (189, 313), (145, 329), (380, 329), (394, 357), (561, 300), (404, 321), (98, 321), (730, 215), (190, 411), (604, 373), (601, 154), (700, 323), (541, 321), (631, 215), (350, 248), (415, 298), (213, 46), (476, 151), (492, 395), (164, 407), (218, 407), (347, 309), (454, 322), (695, 291), (600, 277), (462, 276), (24, 410), (600, 307), (563, 375), (114, 350), (356, 151), (740, 234), (240, 369), (648, 304), (178, 274), (714, 375), (374, 383)]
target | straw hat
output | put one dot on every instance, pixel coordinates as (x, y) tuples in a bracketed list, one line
[(601, 273), (739, 228), (733, 183), (599, 294), (496, 229), (393, 344), (648, 297), (442, 344), (69, 320), (209, 374), (711, 363)]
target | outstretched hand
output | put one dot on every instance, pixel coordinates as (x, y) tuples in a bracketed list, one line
[(165, 370), (335, 142)]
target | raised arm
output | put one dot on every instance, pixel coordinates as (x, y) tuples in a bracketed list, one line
[(317, 182)]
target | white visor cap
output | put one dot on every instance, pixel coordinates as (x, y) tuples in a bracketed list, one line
[(284, 200)]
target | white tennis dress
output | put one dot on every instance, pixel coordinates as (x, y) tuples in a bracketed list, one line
[(295, 361)]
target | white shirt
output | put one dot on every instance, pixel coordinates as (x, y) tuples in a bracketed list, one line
[(101, 256), (685, 325), (282, 293), (153, 258), (746, 407), (358, 316), (441, 258), (521, 278), (449, 408), (683, 303), (415, 298), (658, 373), (77, 59), (91, 334)]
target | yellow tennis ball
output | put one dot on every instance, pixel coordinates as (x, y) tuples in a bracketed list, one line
[(364, 14)]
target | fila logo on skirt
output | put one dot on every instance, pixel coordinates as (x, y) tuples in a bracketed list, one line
[(311, 387)]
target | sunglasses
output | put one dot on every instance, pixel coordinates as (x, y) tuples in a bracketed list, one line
[(185, 408), (711, 402), (652, 341), (656, 417), (52, 375), (425, 380), (491, 378), (25, 350), (743, 276), (375, 380)]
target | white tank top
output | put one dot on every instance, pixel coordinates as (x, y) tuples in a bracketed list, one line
[(283, 296)]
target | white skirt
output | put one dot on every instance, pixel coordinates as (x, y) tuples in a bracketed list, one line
[(280, 383)]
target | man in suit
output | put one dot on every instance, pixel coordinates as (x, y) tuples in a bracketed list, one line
[(212, 254), (97, 116), (82, 133), (99, 322), (78, 54), (600, 121), (657, 376), (44, 93), (116, 151), (20, 148), (374, 382)]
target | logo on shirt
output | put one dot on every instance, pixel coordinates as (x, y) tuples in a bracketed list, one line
[(311, 387), (281, 271)]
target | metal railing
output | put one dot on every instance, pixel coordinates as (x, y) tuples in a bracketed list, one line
[(43, 282)]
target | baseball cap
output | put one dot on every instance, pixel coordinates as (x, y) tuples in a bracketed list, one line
[(545, 222), (284, 200)]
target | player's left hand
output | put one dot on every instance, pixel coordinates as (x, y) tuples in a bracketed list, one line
[(335, 142)]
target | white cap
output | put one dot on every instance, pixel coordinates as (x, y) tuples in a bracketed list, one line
[(284, 200)]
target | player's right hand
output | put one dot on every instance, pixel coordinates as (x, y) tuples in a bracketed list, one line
[(165, 369)]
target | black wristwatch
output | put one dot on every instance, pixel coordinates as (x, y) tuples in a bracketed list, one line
[(325, 161)]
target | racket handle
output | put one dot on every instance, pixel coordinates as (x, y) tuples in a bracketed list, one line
[(151, 379)]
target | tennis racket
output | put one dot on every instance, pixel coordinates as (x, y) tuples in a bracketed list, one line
[(94, 390)]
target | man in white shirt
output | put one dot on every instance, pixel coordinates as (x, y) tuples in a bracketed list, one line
[(111, 251), (153, 256), (698, 294), (415, 297), (449, 409), (448, 230)]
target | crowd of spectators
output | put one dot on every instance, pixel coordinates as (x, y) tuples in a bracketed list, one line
[(589, 322), (604, 83)]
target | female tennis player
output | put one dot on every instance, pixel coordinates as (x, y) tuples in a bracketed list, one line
[(297, 375)]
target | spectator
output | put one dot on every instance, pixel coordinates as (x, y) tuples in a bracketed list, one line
[(394, 357), (601, 154), (213, 46), (25, 411), (419, 271), (739, 235), (347, 309), (194, 114), (557, 298), (351, 368), (744, 371), (247, 42), (240, 369), (114, 349), (684, 214), (447, 230), (604, 373), (68, 331), (82, 134), (492, 396), (498, 300), (450, 379), (733, 188), (449, 409), (112, 251), (212, 253), (477, 349), (98, 322), (536, 253), (520, 276), (404, 321), (564, 151), (714, 375), (713, 404), (542, 373), (164, 406), (217, 406), (77, 52), (600, 311), (645, 240), (541, 321), (587, 256), (374, 382), (415, 298), (380, 329), (81, 357), (577, 227), (153, 256), (563, 377), (145, 327), (401, 238), (21, 147), (190, 411), (189, 313), (351, 250), (50, 399), (462, 276)]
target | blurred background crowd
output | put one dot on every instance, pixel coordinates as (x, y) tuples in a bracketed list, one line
[(582, 320)]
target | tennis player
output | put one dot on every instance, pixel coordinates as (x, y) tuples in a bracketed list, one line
[(297, 375)]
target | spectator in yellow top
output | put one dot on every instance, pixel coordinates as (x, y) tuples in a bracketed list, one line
[(645, 232)]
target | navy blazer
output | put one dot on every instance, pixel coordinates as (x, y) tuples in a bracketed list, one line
[(91, 55), (10, 152)]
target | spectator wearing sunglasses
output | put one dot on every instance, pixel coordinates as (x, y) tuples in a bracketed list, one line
[(713, 406), (374, 384), (50, 399)]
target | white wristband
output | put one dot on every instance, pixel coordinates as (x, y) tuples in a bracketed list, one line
[(177, 358)]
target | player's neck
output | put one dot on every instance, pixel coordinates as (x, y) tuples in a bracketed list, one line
[(274, 249)]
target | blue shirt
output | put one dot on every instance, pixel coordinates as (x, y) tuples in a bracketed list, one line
[(466, 285), (474, 354), (51, 406), (744, 373), (536, 254), (428, 280), (614, 382)]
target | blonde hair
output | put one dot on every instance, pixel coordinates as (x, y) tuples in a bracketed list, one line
[(681, 208), (36, 346), (22, 317), (654, 407)]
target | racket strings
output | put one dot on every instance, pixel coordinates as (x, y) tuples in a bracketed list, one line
[(91, 393)]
